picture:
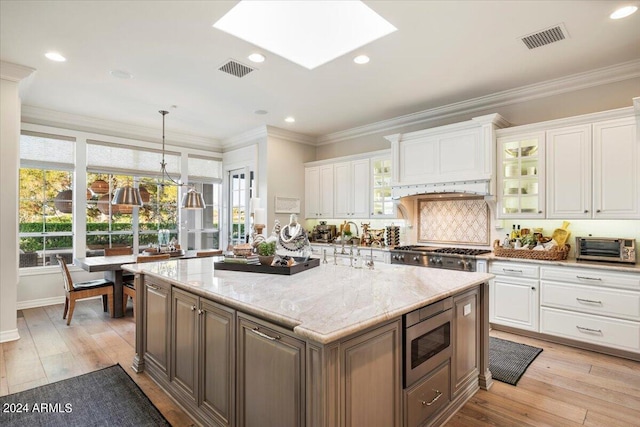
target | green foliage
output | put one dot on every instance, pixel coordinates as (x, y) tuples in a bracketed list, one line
[(267, 249)]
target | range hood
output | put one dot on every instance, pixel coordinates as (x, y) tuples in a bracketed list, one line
[(437, 190)]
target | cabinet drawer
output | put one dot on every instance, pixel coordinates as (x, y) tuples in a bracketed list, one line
[(614, 333), (590, 276), (514, 269), (427, 397), (591, 299)]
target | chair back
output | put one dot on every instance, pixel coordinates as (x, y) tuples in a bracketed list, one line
[(68, 282), (152, 258), (118, 251)]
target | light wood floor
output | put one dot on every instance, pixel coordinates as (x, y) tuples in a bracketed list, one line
[(562, 387)]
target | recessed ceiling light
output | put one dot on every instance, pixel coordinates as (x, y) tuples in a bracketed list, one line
[(623, 12), (290, 119), (288, 28), (119, 74), (55, 56), (256, 57), (260, 112), (361, 59)]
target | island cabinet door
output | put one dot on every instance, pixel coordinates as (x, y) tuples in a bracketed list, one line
[(466, 338), (184, 335), (271, 376), (371, 380), (217, 361), (156, 324)]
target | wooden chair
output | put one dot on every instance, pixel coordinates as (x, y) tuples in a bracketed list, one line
[(118, 251), (81, 290), (129, 288), (203, 254)]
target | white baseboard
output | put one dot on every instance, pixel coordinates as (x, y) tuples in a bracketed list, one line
[(6, 336), (42, 302)]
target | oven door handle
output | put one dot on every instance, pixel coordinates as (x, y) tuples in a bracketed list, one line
[(438, 394)]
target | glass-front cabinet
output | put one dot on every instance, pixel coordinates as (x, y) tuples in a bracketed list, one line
[(521, 176), (381, 202)]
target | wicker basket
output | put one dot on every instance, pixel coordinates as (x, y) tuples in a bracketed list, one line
[(555, 254)]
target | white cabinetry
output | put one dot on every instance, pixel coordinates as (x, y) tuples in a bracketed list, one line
[(318, 182), (593, 306), (521, 173), (594, 171), (381, 202), (352, 188), (513, 295), (616, 169)]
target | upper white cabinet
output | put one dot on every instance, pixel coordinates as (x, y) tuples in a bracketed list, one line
[(351, 181), (318, 184), (593, 171), (569, 171), (616, 169), (521, 176), (381, 202), (453, 153), (584, 167)]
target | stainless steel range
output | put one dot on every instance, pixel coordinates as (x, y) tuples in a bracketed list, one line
[(462, 259)]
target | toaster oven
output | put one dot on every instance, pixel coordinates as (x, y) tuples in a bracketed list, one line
[(606, 249)]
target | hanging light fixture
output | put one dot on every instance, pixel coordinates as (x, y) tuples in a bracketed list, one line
[(100, 187), (192, 198), (127, 195)]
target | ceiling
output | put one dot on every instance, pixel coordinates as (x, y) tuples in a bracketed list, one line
[(443, 52)]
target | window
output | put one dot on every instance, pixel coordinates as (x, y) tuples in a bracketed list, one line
[(204, 226), (45, 199), (240, 188)]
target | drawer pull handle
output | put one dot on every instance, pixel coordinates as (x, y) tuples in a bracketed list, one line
[(588, 278), (155, 288), (588, 301), (263, 335), (593, 331), (510, 270), (438, 394)]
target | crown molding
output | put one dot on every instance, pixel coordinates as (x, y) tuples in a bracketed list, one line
[(598, 77), (291, 136), (43, 116), (244, 139), (14, 72)]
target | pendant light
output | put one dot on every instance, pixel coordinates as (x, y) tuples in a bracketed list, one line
[(192, 199), (127, 195)]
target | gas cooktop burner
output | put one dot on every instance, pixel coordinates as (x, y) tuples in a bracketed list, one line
[(461, 251), (436, 250), (428, 256)]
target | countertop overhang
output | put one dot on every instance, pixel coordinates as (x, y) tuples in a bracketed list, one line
[(323, 304)]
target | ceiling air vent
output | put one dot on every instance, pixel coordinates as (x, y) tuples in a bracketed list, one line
[(544, 37), (235, 68)]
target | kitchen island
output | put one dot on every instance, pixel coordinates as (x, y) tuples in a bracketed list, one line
[(323, 347)]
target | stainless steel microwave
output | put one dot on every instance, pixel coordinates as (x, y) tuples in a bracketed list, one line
[(606, 249)]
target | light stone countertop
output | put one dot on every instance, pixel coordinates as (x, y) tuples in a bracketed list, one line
[(323, 304), (621, 267)]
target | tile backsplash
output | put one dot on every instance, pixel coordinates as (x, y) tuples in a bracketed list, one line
[(456, 221)]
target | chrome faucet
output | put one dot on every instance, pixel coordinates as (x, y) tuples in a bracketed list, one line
[(370, 262), (342, 235)]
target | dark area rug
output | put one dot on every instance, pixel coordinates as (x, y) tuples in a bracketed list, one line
[(508, 360), (108, 397)]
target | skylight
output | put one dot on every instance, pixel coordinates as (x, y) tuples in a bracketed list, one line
[(308, 33)]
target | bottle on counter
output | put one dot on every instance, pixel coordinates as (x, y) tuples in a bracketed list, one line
[(514, 234), (518, 235), (506, 243)]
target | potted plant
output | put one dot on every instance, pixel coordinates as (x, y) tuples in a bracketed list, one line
[(266, 252)]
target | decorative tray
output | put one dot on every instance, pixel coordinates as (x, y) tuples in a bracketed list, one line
[(268, 269), (555, 254), (176, 253)]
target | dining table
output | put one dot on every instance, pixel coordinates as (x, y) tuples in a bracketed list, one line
[(111, 266)]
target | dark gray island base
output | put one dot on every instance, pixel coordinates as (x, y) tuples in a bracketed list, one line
[(320, 348)]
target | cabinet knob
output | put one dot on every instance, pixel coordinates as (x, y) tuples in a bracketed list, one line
[(200, 311), (533, 288), (539, 211), (598, 210), (193, 308), (586, 211)]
